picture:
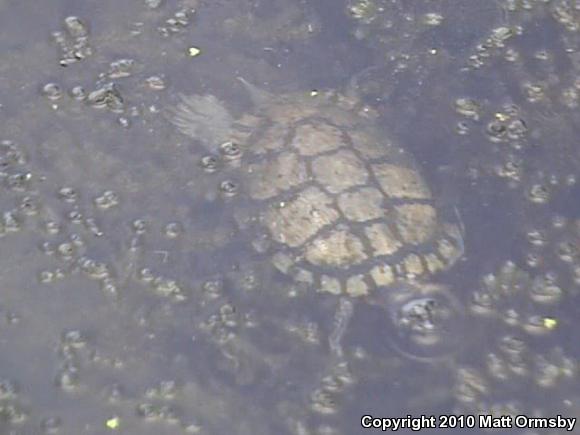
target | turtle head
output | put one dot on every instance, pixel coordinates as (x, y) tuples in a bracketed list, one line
[(428, 320)]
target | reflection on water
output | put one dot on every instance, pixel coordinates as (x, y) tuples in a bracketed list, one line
[(135, 294)]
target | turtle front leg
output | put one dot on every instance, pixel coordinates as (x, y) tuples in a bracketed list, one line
[(342, 319), (326, 396)]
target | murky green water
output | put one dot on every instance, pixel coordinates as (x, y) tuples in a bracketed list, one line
[(133, 300)]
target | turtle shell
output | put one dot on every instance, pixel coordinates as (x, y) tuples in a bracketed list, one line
[(342, 207)]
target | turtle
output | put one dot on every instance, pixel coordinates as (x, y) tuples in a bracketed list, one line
[(341, 207)]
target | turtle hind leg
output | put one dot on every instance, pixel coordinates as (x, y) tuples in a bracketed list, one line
[(203, 118), (342, 319)]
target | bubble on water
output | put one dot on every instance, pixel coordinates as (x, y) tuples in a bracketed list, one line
[(433, 19), (209, 163), (78, 93), (12, 414), (517, 129), (248, 279), (115, 393), (66, 250), (73, 41), (325, 429), (504, 127), (220, 333), (10, 155), (568, 251), (228, 315), (339, 379), (308, 331), (469, 385), (168, 288), (534, 259), (462, 128), (19, 182), (545, 291), (140, 226), (496, 367), (10, 222), (508, 295), (52, 91), (68, 379), (47, 248), (553, 368), (68, 194), (148, 411), (512, 55), (538, 325), (77, 241), (75, 216), (534, 92), (513, 346), (213, 289), (51, 425), (178, 22), (106, 200), (468, 107), (512, 169), (510, 364), (492, 44), (107, 96), (539, 193), (46, 277), (29, 206), (74, 338), (12, 318), (173, 230), (153, 4), (92, 226), (75, 27), (109, 287), (570, 98), (124, 122), (262, 243), (230, 151), (94, 269), (324, 402), (8, 389), (559, 221), (121, 68), (165, 390), (536, 237), (146, 275), (229, 188), (156, 82)]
